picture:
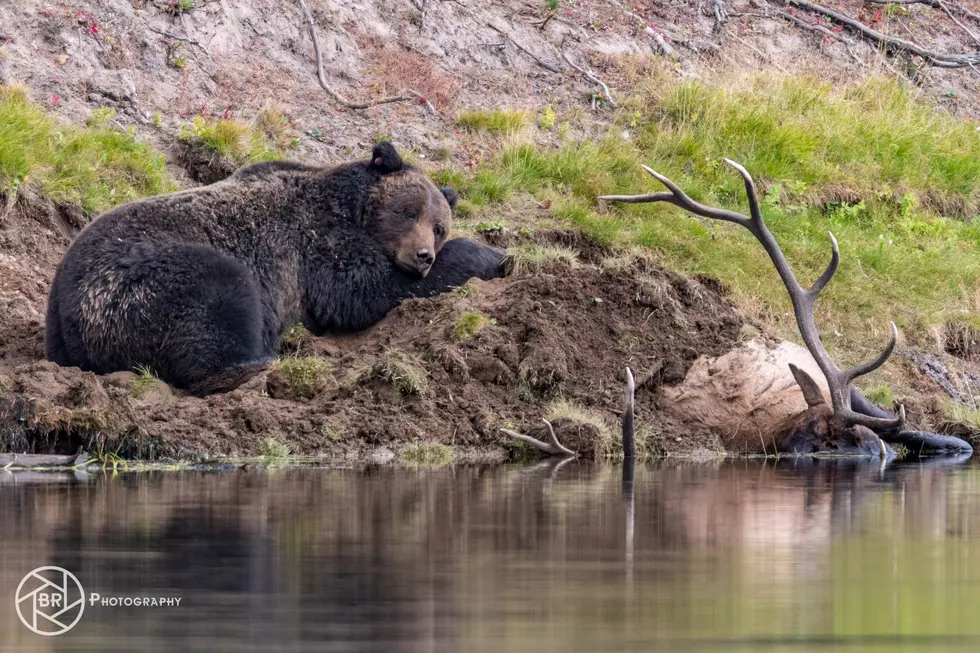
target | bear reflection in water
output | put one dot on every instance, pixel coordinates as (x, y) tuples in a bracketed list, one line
[(199, 285)]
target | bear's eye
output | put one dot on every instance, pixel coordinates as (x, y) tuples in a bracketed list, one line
[(439, 231), (413, 216)]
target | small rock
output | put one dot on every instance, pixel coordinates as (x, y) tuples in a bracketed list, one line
[(382, 455), (61, 59)]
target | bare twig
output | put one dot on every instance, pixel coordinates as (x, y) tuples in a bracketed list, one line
[(185, 39), (592, 78), (554, 448), (337, 97), (963, 27), (899, 45), (822, 30), (541, 62), (541, 24), (187, 31), (929, 3), (657, 37)]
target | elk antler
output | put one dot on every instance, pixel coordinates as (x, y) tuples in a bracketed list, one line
[(803, 299)]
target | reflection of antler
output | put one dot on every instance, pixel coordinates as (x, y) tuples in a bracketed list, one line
[(803, 299), (554, 448)]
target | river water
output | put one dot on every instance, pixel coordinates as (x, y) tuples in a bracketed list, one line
[(730, 555)]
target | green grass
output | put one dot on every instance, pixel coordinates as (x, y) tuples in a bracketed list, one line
[(145, 380), (966, 415), (428, 454), (893, 177), (274, 451), (526, 258), (881, 395), (236, 141), (469, 324), (305, 375), (502, 121), (404, 372), (95, 167)]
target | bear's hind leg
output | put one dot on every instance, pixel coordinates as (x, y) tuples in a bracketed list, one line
[(214, 341)]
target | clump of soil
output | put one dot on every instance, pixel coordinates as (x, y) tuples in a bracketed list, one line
[(554, 331)]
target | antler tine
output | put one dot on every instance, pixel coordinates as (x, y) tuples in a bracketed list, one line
[(679, 198), (851, 418), (861, 370), (629, 416), (750, 191), (831, 270)]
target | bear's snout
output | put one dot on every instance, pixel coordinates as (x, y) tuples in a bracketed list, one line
[(416, 260)]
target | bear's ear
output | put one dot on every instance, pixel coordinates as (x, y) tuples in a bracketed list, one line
[(451, 196), (385, 158)]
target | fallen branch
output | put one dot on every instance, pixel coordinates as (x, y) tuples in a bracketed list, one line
[(592, 78), (541, 62), (822, 30), (657, 37), (929, 3), (899, 45), (554, 448), (963, 27), (337, 97)]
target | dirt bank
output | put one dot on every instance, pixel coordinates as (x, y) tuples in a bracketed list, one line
[(552, 339)]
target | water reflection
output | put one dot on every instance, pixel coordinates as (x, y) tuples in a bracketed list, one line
[(556, 557)]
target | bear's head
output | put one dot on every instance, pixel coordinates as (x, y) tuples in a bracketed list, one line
[(410, 216)]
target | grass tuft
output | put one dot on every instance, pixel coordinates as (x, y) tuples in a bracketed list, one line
[(469, 324), (528, 258), (305, 375), (145, 380), (501, 121), (404, 372), (273, 450), (230, 139), (95, 167), (428, 454)]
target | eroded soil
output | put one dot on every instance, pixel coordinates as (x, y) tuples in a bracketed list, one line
[(558, 332)]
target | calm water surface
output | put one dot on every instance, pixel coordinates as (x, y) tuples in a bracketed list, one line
[(831, 556)]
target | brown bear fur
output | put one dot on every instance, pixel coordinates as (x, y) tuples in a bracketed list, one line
[(198, 285)]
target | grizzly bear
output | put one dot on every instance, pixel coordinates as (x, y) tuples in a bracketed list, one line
[(199, 285)]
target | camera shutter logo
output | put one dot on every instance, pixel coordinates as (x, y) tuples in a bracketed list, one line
[(50, 601)]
